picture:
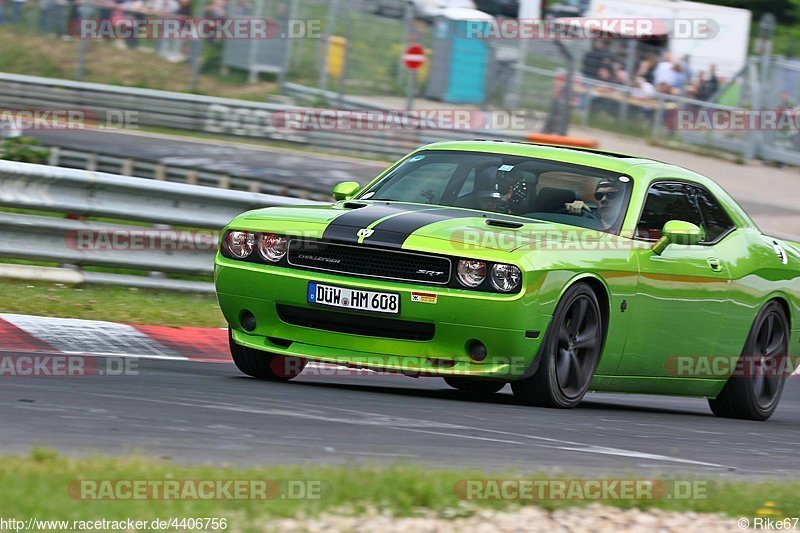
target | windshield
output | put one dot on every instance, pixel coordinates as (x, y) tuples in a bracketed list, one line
[(533, 188)]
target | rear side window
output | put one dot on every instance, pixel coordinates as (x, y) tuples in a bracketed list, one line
[(682, 201), (665, 202), (716, 221)]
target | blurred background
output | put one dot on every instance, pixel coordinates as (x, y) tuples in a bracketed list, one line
[(347, 54)]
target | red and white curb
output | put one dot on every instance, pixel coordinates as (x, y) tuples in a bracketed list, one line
[(24, 333), (70, 336)]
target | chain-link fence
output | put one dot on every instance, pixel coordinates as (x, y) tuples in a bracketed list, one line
[(780, 93), (633, 87), (353, 48)]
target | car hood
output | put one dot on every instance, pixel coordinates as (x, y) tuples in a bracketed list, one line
[(405, 225)]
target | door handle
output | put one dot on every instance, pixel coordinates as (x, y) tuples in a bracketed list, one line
[(715, 264)]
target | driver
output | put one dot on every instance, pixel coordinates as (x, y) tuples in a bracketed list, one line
[(608, 197)]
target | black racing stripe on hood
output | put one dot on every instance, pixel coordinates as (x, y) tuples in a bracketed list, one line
[(344, 228), (394, 231)]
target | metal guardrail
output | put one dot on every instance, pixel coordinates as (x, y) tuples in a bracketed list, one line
[(223, 116), (143, 168), (142, 210)]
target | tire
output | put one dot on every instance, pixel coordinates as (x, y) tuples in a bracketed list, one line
[(265, 365), (570, 353), (477, 386), (755, 395)]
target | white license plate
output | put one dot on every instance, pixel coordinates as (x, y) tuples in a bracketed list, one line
[(354, 299)]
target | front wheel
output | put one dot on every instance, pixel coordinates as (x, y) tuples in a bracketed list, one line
[(755, 394), (265, 365), (478, 386), (570, 353)]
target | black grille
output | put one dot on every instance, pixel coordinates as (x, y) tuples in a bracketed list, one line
[(371, 326), (370, 262)]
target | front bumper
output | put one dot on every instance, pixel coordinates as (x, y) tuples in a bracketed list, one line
[(507, 325)]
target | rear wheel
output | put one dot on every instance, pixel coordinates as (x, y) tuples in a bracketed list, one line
[(569, 355), (478, 386), (754, 393), (265, 365)]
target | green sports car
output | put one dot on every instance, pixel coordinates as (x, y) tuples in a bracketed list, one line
[(557, 270)]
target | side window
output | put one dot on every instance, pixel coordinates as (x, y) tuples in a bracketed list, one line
[(665, 202), (716, 221)]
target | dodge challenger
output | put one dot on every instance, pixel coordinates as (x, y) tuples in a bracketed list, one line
[(558, 270)]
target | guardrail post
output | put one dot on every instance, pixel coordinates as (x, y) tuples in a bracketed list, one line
[(191, 177), (160, 173), (126, 168), (55, 155), (91, 162), (224, 182)]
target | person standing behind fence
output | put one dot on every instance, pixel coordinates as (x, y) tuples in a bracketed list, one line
[(596, 59), (46, 8), (665, 74), (164, 9), (707, 87), (16, 11)]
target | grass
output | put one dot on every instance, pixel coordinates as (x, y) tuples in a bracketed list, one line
[(116, 304), (36, 485), (27, 52)]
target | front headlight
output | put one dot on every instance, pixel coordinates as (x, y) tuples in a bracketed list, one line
[(239, 243), (471, 273), (505, 278), (272, 247)]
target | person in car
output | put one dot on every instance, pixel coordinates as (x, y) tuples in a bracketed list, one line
[(608, 198)]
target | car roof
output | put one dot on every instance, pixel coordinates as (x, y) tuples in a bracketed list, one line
[(601, 159)]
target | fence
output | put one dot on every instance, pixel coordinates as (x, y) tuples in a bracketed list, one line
[(523, 74), (48, 220), (224, 116)]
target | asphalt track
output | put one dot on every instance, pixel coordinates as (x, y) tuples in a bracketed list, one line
[(209, 412), (319, 172)]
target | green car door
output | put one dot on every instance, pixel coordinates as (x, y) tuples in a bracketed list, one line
[(682, 294)]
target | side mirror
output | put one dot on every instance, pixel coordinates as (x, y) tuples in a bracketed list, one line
[(678, 232), (345, 190)]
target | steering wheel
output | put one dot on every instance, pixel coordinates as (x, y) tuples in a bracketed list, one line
[(585, 212)]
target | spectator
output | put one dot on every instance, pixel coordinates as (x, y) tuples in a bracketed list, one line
[(663, 88), (645, 68), (643, 88), (618, 74), (216, 9), (664, 72), (16, 11), (707, 88), (595, 59), (46, 8), (603, 74), (679, 80), (165, 9)]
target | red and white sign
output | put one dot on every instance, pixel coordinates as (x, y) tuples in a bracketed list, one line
[(414, 57)]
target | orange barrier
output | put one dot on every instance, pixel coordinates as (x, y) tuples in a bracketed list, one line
[(546, 138)]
